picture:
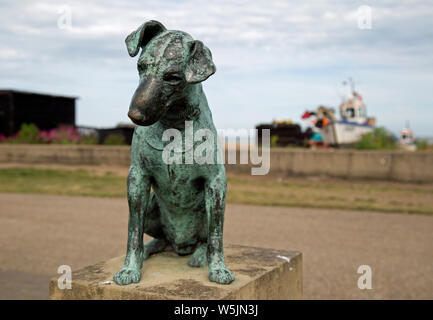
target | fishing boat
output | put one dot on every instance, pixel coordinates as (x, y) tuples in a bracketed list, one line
[(352, 124), (406, 140)]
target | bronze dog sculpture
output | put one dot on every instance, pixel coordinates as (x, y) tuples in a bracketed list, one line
[(186, 208)]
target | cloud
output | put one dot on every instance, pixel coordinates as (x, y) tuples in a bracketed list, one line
[(11, 54)]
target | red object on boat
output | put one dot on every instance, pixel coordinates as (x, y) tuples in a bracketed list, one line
[(306, 115)]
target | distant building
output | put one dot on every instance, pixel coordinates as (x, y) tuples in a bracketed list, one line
[(126, 130), (44, 110), (285, 133)]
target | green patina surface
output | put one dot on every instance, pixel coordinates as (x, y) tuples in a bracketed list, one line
[(186, 208)]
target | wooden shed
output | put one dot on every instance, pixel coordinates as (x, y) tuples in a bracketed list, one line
[(46, 111)]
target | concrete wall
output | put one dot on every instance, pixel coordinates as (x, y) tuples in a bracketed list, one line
[(64, 154), (382, 165)]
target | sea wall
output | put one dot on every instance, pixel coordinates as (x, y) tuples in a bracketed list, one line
[(380, 165)]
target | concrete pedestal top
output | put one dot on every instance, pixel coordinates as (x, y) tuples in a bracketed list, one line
[(260, 274)]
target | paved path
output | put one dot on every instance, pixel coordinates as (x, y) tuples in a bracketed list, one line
[(40, 232)]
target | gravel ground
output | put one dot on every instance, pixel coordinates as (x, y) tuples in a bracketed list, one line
[(38, 233)]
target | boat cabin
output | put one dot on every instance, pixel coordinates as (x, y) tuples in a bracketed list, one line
[(354, 110)]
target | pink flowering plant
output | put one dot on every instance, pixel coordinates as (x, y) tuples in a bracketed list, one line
[(60, 135), (30, 133)]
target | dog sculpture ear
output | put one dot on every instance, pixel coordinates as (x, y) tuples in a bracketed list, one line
[(140, 37), (199, 65)]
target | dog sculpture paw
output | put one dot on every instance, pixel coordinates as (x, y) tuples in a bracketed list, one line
[(127, 276), (221, 275)]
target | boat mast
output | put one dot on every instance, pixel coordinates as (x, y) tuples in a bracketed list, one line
[(352, 85)]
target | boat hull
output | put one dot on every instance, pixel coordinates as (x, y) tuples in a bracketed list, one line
[(344, 133)]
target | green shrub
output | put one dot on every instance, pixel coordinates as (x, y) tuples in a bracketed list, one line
[(421, 144), (29, 133), (90, 139), (379, 139), (274, 141), (115, 139)]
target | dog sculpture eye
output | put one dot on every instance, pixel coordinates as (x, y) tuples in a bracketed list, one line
[(173, 78)]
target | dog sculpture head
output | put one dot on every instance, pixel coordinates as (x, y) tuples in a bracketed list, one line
[(170, 64)]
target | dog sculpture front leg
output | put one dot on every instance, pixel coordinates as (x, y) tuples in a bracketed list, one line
[(138, 199), (215, 207)]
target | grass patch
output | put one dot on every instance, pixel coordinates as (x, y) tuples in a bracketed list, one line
[(335, 194), (291, 192), (64, 182)]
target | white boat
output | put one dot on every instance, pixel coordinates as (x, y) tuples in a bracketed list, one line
[(344, 133), (406, 140), (351, 126)]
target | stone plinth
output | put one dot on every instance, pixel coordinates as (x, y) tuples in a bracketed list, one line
[(260, 274)]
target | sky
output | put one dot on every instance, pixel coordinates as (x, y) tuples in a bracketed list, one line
[(274, 58)]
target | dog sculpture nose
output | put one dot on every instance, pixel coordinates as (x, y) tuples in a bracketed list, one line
[(135, 115)]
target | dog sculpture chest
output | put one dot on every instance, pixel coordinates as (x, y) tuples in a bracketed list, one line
[(186, 208)]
